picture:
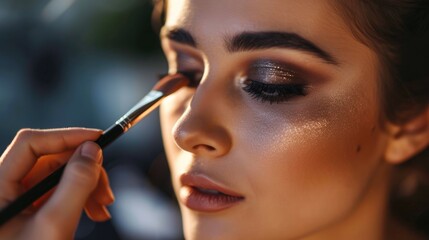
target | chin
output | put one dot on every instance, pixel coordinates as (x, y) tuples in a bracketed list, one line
[(211, 227)]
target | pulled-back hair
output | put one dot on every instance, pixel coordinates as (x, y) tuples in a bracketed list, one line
[(398, 31)]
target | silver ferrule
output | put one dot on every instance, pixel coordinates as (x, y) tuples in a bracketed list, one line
[(142, 108)]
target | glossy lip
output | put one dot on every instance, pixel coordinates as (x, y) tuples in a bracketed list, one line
[(194, 199)]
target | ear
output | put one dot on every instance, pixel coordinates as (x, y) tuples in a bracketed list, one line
[(408, 139)]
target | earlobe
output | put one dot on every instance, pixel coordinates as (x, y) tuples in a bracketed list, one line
[(408, 139)]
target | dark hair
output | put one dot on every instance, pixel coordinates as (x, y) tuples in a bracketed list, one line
[(398, 31)]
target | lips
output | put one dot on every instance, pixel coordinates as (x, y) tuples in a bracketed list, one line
[(200, 193)]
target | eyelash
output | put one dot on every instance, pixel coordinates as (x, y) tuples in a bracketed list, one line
[(192, 76), (273, 93)]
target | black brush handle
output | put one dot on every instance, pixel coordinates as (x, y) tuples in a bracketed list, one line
[(52, 180)]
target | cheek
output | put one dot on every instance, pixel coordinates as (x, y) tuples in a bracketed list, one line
[(326, 150)]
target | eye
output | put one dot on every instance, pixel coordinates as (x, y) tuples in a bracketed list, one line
[(273, 93), (188, 65), (272, 82)]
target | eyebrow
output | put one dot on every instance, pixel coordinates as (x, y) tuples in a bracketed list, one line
[(179, 35), (248, 41)]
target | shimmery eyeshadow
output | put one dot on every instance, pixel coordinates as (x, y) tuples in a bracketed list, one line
[(271, 71)]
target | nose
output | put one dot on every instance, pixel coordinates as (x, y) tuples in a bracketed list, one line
[(202, 128)]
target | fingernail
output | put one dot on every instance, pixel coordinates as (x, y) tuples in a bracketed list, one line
[(108, 214), (110, 196), (91, 150), (106, 211)]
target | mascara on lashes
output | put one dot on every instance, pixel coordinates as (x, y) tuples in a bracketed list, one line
[(269, 81)]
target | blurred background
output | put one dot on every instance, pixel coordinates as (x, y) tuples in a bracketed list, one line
[(66, 63), (75, 63)]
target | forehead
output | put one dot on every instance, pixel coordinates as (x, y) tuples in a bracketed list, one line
[(210, 21), (304, 16)]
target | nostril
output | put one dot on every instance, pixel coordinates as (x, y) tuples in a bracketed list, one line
[(204, 147)]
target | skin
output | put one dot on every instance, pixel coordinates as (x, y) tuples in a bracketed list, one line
[(31, 156), (309, 168)]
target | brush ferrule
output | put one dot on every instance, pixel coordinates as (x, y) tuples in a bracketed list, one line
[(125, 123), (140, 110)]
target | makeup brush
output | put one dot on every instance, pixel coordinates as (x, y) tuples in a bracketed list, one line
[(163, 88)]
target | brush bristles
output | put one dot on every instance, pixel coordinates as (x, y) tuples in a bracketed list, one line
[(171, 83)]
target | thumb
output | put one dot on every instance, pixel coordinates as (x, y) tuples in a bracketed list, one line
[(79, 179)]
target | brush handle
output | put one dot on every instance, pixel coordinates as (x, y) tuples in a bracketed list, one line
[(52, 180), (166, 86)]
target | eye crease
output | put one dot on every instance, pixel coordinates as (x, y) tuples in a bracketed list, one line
[(271, 72), (190, 66), (270, 81)]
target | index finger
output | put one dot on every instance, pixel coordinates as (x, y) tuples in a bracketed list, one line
[(29, 144)]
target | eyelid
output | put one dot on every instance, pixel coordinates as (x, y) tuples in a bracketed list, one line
[(183, 61), (191, 51), (273, 72), (185, 52), (273, 81), (185, 58), (187, 63)]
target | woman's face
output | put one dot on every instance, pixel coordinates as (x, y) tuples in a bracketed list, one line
[(284, 122)]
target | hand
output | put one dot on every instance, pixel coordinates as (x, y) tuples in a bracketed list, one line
[(31, 156)]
